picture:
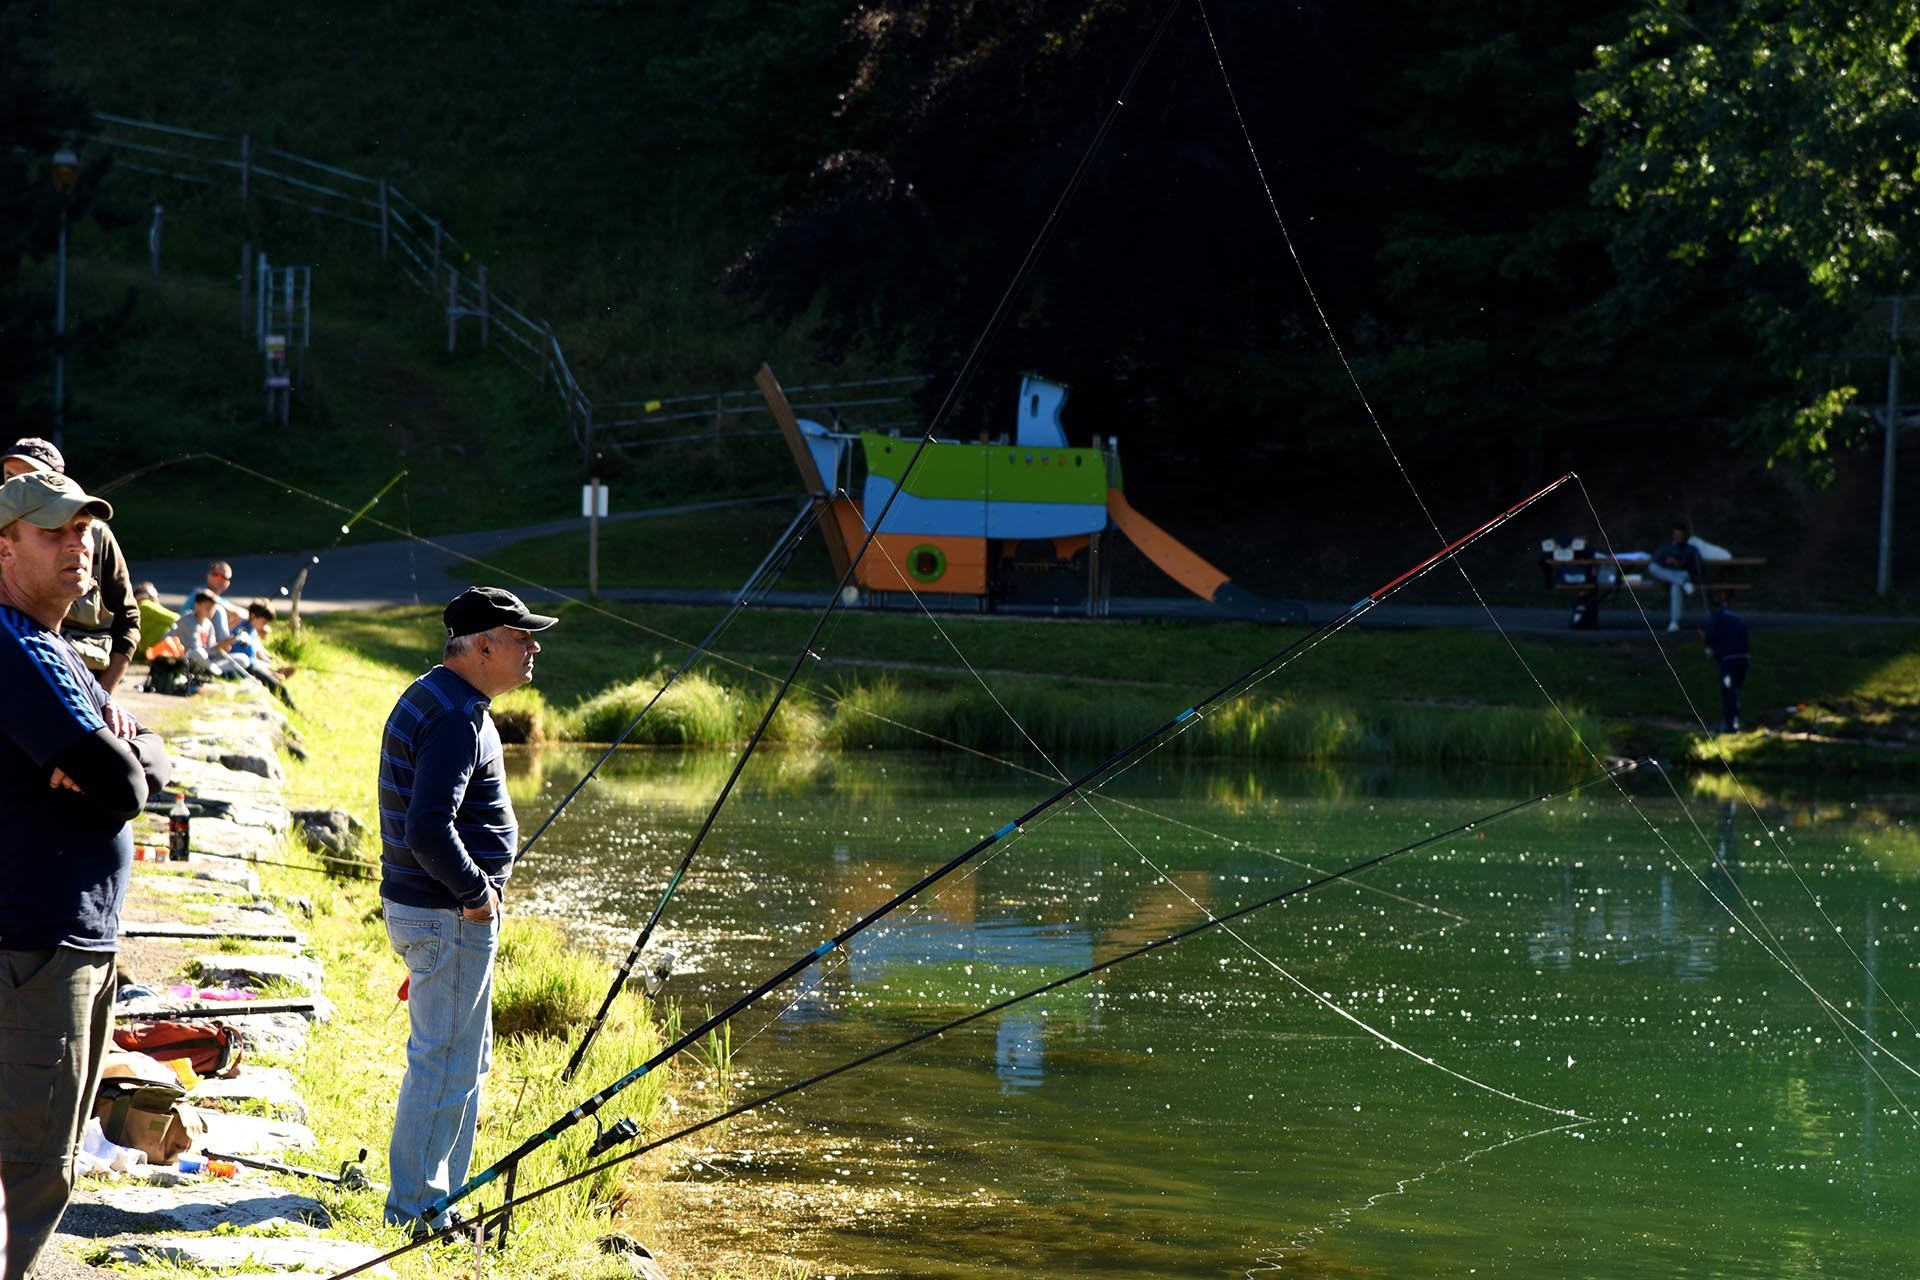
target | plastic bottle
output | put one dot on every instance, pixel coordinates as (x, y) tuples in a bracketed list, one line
[(178, 819)]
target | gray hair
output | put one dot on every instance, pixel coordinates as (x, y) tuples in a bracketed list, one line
[(458, 645)]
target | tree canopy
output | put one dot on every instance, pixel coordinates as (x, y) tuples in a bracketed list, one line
[(1782, 136)]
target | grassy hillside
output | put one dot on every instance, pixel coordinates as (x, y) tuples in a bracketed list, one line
[(609, 162), (578, 151)]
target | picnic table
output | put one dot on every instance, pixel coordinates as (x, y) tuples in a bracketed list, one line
[(1597, 576)]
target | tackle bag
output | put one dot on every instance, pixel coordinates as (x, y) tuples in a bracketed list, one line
[(170, 676), (210, 1048), (139, 1105)]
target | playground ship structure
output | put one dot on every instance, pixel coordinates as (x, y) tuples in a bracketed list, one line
[(968, 516)]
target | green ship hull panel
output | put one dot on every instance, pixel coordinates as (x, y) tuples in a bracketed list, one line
[(990, 473)]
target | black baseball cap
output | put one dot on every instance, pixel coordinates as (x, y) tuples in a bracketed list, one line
[(480, 609)]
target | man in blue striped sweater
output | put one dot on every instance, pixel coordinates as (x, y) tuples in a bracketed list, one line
[(447, 842), (74, 769)]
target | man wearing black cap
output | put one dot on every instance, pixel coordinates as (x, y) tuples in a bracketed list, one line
[(447, 841), (74, 769), (104, 624)]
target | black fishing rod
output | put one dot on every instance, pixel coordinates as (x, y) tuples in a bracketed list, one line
[(483, 1218), (771, 572), (1133, 750)]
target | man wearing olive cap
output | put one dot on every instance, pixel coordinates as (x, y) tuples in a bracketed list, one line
[(74, 769), (447, 842), (104, 624)]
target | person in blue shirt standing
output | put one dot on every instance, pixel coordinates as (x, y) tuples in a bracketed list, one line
[(1727, 643), (74, 769), (448, 837)]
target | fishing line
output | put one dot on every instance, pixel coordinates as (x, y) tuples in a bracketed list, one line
[(362, 870), (960, 381), (1101, 789), (1419, 499), (1178, 724), (592, 606), (483, 1216), (776, 566), (1343, 1217), (1741, 790), (1177, 887)]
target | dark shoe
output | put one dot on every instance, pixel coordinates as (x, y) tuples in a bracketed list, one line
[(458, 1226)]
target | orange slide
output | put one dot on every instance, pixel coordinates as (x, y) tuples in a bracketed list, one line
[(1180, 563)]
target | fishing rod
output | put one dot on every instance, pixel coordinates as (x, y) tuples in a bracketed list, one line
[(807, 647), (501, 1212), (1135, 749), (300, 574), (777, 564), (353, 517)]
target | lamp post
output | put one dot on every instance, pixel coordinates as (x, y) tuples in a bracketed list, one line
[(66, 171)]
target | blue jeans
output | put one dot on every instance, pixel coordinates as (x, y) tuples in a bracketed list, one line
[(449, 963), (1676, 592)]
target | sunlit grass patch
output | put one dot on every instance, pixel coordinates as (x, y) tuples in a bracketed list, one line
[(542, 984)]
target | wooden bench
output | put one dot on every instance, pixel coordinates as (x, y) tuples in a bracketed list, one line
[(1714, 581)]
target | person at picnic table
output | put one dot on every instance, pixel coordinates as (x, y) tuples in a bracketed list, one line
[(1679, 565)]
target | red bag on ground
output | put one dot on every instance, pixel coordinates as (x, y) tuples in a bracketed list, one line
[(210, 1048)]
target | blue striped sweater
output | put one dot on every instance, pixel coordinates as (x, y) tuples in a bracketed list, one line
[(447, 830)]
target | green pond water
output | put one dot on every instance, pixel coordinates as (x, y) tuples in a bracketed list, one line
[(1196, 1111)]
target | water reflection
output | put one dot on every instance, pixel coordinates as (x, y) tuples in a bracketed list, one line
[(1189, 1112)]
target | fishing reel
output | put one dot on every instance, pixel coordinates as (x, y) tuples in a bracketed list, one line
[(624, 1130), (659, 967)]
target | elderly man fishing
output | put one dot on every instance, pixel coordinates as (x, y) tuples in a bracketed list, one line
[(447, 842), (74, 769)]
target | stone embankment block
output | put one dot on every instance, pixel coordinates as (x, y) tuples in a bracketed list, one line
[(227, 765)]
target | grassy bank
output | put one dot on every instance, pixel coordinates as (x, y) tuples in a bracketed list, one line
[(1438, 697), (546, 991)]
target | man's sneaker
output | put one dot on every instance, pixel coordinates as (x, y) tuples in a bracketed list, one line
[(1687, 587), (1673, 626)]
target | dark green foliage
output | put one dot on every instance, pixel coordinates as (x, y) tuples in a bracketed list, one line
[(1775, 143), (39, 112)]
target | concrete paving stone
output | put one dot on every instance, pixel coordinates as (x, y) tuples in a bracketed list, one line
[(171, 884), (197, 770), (280, 1253), (239, 840), (116, 1207), (227, 873), (281, 1034), (299, 972), (254, 1135), (272, 1086)]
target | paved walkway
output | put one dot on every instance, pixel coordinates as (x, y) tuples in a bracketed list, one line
[(377, 575)]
